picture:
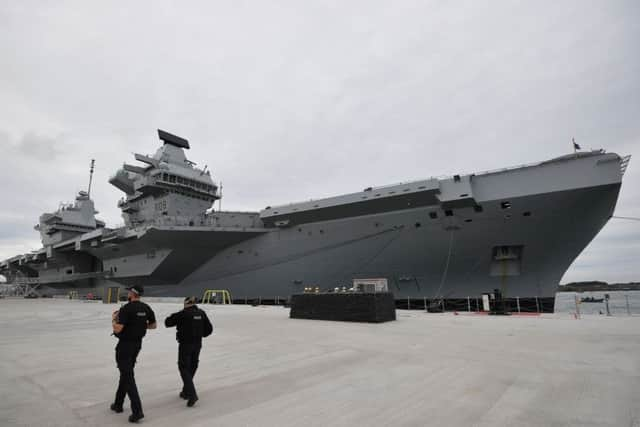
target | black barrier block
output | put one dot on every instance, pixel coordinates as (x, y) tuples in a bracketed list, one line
[(350, 307)]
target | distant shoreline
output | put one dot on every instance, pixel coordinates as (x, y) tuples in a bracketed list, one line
[(598, 286)]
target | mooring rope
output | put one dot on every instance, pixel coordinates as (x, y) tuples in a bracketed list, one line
[(632, 218), (446, 266)]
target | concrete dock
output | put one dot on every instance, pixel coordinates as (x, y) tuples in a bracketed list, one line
[(261, 368)]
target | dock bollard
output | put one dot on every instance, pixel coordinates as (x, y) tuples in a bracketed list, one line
[(518, 303), (468, 304)]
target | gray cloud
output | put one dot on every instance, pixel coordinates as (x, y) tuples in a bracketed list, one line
[(13, 226), (287, 101), (40, 147)]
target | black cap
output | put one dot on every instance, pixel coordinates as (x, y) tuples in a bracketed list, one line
[(136, 289)]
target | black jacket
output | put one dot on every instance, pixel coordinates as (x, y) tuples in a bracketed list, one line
[(192, 323), (135, 316)]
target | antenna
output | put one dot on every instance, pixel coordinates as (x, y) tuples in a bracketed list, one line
[(220, 199), (93, 162)]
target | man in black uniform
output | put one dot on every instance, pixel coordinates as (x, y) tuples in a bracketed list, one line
[(130, 324), (193, 324)]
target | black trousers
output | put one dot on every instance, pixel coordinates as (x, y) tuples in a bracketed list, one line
[(126, 354), (188, 358)]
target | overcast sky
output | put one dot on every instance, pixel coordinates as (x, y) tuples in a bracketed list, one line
[(286, 101)]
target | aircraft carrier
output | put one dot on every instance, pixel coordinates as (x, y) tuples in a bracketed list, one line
[(517, 229)]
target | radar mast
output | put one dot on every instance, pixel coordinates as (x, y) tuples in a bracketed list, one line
[(93, 162)]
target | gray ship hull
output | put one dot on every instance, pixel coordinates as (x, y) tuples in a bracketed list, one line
[(165, 255), (411, 251)]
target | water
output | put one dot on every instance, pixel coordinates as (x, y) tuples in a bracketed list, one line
[(565, 303)]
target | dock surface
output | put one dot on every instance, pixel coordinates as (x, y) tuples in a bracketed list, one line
[(261, 368)]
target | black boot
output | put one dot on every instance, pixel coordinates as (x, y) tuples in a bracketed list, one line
[(192, 401), (183, 396), (134, 418), (115, 408)]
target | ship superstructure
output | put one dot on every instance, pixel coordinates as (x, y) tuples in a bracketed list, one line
[(169, 229), (70, 220), (170, 189), (58, 261), (517, 229)]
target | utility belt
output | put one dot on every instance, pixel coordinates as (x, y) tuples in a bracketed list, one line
[(194, 341), (129, 343)]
